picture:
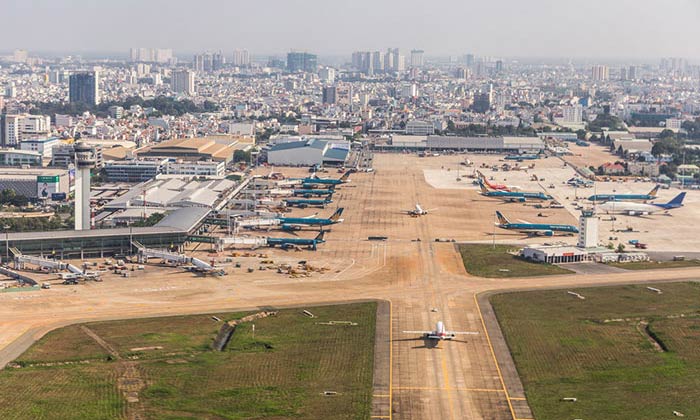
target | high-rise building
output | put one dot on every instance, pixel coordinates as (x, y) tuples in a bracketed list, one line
[(182, 81), (572, 114), (84, 87), (469, 60), (632, 73), (482, 102), (394, 60), (218, 61), (18, 127), (301, 61), (417, 58), (329, 95), (409, 90), (20, 56), (241, 58), (151, 55), (327, 75), (499, 66), (600, 73)]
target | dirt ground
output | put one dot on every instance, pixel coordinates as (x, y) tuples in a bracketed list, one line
[(422, 279)]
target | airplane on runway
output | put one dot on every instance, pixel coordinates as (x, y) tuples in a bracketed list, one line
[(440, 333), (513, 196), (419, 211), (286, 243), (625, 197), (295, 223), (497, 187), (535, 229), (305, 202), (640, 209), (315, 180)]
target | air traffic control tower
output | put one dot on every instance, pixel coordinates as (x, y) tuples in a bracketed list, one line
[(84, 161), (588, 230)]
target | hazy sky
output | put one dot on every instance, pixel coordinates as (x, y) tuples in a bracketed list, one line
[(541, 28)]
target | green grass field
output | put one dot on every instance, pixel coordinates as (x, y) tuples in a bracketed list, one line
[(597, 350), (486, 261), (278, 371), (652, 265)]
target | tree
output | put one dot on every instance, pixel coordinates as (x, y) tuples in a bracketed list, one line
[(241, 156), (620, 248)]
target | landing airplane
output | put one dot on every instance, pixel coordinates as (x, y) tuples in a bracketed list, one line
[(440, 333), (295, 223), (640, 209), (419, 211), (625, 197), (534, 229), (513, 196), (286, 243), (309, 192), (305, 202), (315, 180)]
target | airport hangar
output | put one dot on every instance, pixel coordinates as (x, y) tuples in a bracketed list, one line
[(514, 145), (309, 151), (173, 231)]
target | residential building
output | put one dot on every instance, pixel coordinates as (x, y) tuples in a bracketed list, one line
[(327, 75), (329, 95), (241, 58), (600, 73), (182, 81), (420, 128), (417, 58), (17, 127), (301, 61)]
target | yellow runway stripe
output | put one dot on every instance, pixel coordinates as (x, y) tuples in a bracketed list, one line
[(429, 388)]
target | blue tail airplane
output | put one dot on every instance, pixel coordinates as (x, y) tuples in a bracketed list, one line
[(535, 229), (315, 180), (296, 223), (625, 197), (306, 202), (513, 196), (310, 192), (286, 243)]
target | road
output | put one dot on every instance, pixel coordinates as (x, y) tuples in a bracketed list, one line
[(423, 281)]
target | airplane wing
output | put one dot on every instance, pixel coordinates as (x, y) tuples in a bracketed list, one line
[(431, 210), (524, 221), (313, 216), (417, 332), (463, 332)]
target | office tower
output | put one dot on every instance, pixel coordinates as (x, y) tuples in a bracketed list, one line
[(463, 73), (84, 88), (469, 60), (378, 61), (218, 61), (241, 58), (329, 95), (301, 61), (150, 55), (10, 90), (499, 66), (623, 73), (417, 58), (389, 60), (482, 102), (327, 75), (600, 73), (182, 81), (632, 73)]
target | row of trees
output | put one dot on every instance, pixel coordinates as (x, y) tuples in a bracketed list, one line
[(163, 104)]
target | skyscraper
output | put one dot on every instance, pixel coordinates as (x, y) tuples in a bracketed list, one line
[(84, 88), (329, 95), (182, 81), (301, 61), (600, 73), (241, 58), (417, 58)]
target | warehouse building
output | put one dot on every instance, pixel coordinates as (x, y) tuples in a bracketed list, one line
[(170, 192), (213, 148), (134, 170), (14, 157), (307, 152)]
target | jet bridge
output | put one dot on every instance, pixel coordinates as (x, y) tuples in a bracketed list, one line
[(191, 263)]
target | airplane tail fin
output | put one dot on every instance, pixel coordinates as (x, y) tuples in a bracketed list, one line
[(653, 191), (319, 237), (501, 218), (345, 176), (677, 201), (335, 216), (483, 187)]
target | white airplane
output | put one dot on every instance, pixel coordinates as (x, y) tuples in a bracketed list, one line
[(640, 209), (440, 333), (419, 211)]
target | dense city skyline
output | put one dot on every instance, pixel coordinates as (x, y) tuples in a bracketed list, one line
[(540, 28)]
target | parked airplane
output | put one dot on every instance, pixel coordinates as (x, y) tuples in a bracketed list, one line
[(286, 243), (522, 157), (315, 180), (625, 197), (640, 209), (295, 223), (419, 211), (306, 202), (544, 229), (498, 187), (440, 333), (309, 192), (513, 196)]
